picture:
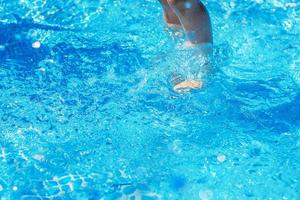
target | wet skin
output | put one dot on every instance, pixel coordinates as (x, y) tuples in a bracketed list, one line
[(192, 16)]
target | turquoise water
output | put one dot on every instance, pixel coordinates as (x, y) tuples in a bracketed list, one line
[(87, 110)]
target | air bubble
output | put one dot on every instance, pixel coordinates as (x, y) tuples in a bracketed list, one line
[(177, 146), (15, 188), (38, 157), (36, 45), (42, 69), (205, 194), (221, 158)]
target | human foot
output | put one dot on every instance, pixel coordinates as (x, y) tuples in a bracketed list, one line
[(188, 85)]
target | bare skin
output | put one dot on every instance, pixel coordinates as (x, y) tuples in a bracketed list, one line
[(188, 85), (193, 17), (169, 15)]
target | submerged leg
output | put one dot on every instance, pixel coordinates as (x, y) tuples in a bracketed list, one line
[(194, 18), (195, 21)]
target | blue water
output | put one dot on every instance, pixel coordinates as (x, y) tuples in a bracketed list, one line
[(87, 110)]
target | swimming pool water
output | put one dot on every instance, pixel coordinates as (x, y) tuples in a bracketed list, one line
[(87, 110)]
